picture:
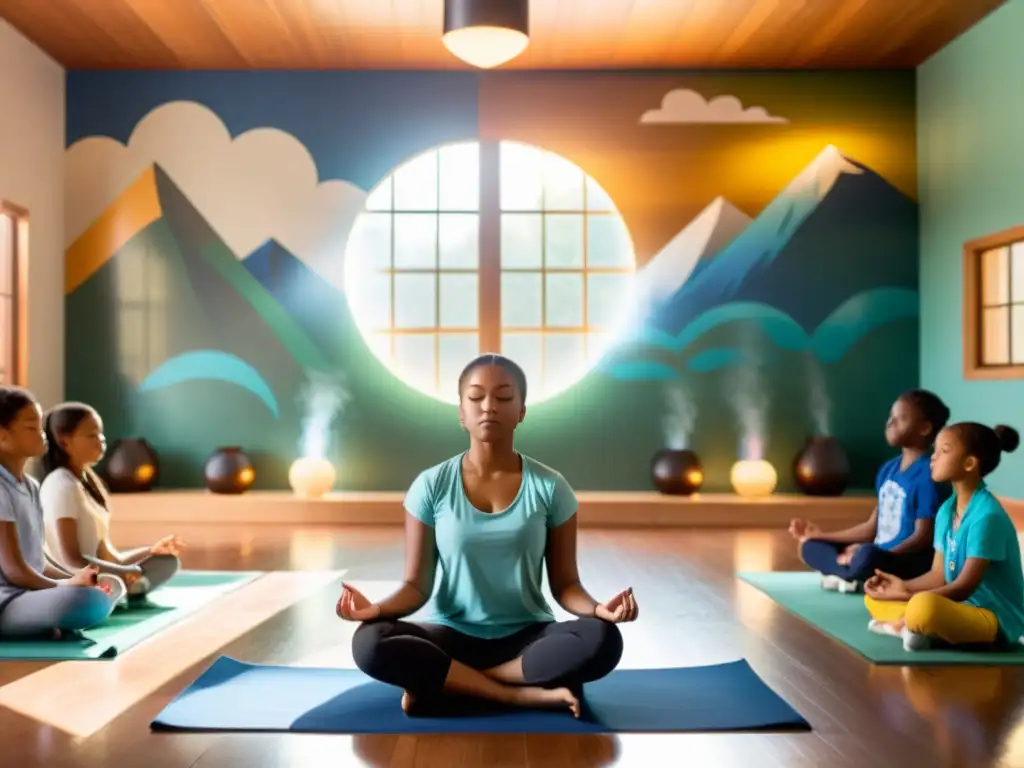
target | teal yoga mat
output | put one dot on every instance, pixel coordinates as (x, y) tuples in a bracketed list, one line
[(186, 593), (845, 618)]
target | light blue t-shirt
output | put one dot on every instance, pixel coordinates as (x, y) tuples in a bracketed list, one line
[(904, 497), (19, 504), (986, 532), (491, 564)]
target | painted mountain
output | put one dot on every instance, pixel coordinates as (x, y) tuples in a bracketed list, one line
[(191, 324), (691, 250), (837, 230), (313, 303)]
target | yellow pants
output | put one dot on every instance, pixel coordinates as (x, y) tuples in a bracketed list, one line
[(936, 616)]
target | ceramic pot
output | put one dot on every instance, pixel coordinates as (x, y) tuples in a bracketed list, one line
[(676, 472), (132, 466), (229, 471), (822, 468)]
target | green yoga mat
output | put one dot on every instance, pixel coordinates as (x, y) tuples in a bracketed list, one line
[(845, 618), (182, 596)]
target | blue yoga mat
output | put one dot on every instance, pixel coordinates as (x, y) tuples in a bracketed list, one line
[(235, 696)]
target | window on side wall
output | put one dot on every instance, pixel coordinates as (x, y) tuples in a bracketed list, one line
[(994, 306), (13, 274)]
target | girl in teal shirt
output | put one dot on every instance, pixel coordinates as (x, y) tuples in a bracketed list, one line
[(974, 593)]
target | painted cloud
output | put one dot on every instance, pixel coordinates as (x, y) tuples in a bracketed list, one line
[(261, 184), (685, 106)]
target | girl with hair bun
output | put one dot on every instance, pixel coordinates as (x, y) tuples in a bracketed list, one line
[(974, 592)]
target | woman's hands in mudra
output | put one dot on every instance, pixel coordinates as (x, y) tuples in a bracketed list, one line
[(355, 606), (619, 609)]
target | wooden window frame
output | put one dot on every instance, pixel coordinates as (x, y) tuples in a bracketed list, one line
[(19, 292), (972, 326)]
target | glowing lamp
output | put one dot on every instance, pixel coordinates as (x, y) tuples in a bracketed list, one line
[(753, 478), (310, 477), (144, 472), (486, 33)]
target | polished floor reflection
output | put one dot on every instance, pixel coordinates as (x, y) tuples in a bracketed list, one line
[(693, 612)]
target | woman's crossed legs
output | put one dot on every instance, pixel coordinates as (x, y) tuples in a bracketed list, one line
[(543, 665)]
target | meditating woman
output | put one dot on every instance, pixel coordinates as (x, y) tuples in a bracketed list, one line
[(35, 598), (490, 517), (974, 592), (76, 506)]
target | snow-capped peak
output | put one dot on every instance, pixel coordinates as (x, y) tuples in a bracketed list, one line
[(822, 173), (710, 231)]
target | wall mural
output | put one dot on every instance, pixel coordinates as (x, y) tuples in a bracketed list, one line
[(726, 264)]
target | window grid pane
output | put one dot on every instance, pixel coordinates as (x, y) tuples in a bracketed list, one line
[(415, 183), (583, 246), (995, 274), (1017, 273), (458, 177), (1017, 334), (995, 336), (1001, 306), (423, 251)]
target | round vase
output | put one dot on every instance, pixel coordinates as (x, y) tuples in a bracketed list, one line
[(229, 471), (822, 467), (676, 472), (132, 466)]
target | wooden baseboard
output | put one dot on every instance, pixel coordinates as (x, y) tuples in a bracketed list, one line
[(597, 509)]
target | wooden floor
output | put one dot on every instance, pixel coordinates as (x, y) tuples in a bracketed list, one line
[(693, 612)]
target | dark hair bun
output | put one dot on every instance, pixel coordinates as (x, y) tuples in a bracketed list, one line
[(1009, 438)]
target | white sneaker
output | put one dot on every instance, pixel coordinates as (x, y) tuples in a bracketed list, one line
[(883, 628), (830, 583), (847, 587), (915, 642)]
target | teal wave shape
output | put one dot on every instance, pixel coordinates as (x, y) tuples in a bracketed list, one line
[(782, 329), (640, 370), (211, 365), (722, 357), (831, 341), (858, 316)]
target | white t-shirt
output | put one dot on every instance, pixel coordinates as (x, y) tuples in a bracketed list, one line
[(62, 495)]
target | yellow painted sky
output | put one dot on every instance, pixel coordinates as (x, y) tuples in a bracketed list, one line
[(662, 176)]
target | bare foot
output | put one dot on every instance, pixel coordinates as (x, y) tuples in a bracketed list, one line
[(408, 702), (547, 698)]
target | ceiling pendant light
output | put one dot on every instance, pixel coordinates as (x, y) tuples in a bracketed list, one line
[(486, 33)]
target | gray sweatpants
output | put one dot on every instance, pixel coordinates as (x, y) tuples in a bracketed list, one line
[(40, 611), (157, 570)]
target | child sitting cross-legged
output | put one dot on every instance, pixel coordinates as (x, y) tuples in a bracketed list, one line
[(974, 593), (897, 537)]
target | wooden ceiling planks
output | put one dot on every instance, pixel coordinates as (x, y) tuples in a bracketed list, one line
[(565, 34)]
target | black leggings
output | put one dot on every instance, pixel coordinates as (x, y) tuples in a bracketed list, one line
[(821, 556), (416, 657)]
